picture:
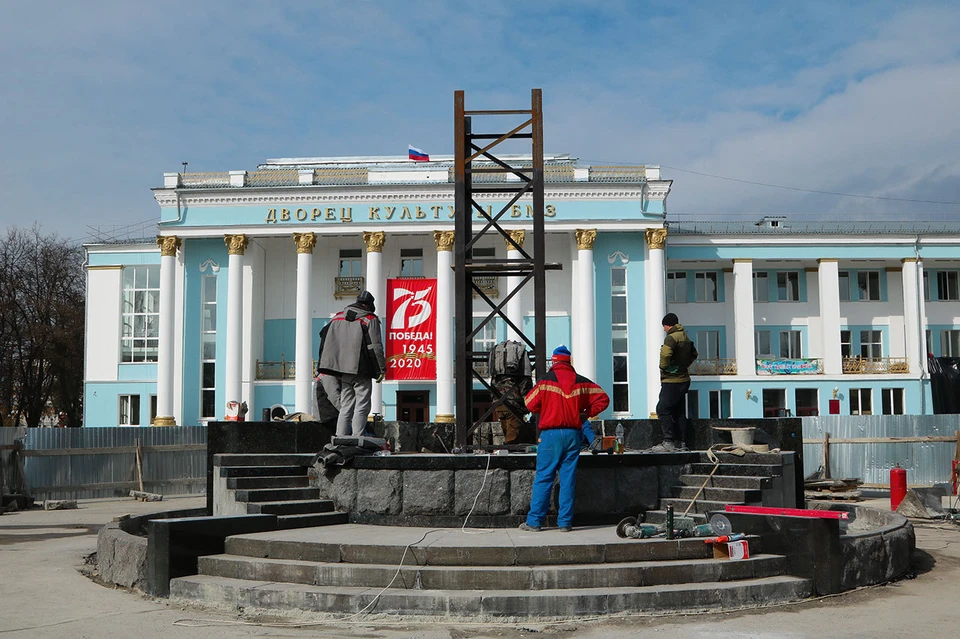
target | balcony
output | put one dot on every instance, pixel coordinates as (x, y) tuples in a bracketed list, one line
[(875, 365), (347, 286), (797, 366), (720, 366)]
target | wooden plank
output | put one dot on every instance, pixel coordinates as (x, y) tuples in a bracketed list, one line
[(884, 440), (140, 464), (120, 485), (60, 452), (826, 455)]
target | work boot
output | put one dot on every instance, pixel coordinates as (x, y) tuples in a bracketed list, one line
[(565, 528), (528, 528), (667, 446)]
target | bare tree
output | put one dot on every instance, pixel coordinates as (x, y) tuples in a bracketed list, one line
[(41, 326)]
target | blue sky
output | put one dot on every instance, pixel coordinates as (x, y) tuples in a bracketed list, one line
[(100, 98)]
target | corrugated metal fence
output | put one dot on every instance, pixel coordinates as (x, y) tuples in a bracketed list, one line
[(868, 446), (85, 463)]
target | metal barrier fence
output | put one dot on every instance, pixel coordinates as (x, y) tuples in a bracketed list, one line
[(86, 463), (868, 446)]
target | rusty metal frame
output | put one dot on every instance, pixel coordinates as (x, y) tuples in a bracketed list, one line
[(530, 266)]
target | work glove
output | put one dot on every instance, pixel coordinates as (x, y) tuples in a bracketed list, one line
[(380, 377)]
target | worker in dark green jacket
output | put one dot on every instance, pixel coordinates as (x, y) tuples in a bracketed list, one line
[(676, 356)]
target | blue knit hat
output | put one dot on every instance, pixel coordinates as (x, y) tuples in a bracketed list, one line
[(561, 354)]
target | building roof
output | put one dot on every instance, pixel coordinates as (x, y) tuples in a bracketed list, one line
[(783, 225)]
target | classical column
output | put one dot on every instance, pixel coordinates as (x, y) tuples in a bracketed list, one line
[(377, 287), (828, 280), (236, 245), (303, 398), (515, 305), (743, 317), (445, 310), (168, 267), (914, 331), (586, 359), (656, 306)]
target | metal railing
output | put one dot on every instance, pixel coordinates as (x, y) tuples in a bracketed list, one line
[(618, 174), (719, 366), (347, 286), (273, 177), (214, 180), (875, 365), (341, 175)]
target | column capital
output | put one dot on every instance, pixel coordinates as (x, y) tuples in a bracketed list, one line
[(236, 244), (444, 240), (656, 238), (305, 242), (585, 239), (517, 235), (908, 259), (374, 241), (823, 260), (743, 260), (168, 245)]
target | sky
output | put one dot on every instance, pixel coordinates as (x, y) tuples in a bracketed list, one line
[(752, 108)]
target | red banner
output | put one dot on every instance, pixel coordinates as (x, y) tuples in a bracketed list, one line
[(411, 329)]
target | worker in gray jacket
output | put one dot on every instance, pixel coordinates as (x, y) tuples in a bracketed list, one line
[(351, 348)]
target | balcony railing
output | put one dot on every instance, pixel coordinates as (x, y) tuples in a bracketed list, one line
[(795, 366), (720, 366), (488, 284), (347, 286), (875, 365)]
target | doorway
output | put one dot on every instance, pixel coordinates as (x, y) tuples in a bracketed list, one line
[(413, 406)]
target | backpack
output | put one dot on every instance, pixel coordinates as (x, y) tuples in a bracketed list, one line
[(509, 357)]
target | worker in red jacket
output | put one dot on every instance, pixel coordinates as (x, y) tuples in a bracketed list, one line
[(563, 400)]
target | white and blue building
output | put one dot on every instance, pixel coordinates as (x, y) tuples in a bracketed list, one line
[(789, 317)]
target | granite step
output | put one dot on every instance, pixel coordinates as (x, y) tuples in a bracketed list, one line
[(263, 459), (297, 507), (557, 577), (353, 543), (701, 506), (500, 604), (742, 470), (309, 520), (263, 471), (747, 458), (277, 494), (248, 483), (727, 481), (726, 495)]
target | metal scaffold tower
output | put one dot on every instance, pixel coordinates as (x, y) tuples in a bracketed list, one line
[(474, 156)]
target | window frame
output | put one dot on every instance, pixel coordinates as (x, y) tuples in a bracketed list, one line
[(671, 286), (352, 257), (700, 279), (846, 343), (720, 403), (865, 281), (891, 401), (208, 394), (860, 394), (950, 342), (132, 403), (784, 291), (871, 341), (843, 284), (761, 293), (620, 334), (790, 334), (948, 286), (140, 314), (760, 354), (708, 350), (412, 258)]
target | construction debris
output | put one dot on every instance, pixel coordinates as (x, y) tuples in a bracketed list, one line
[(924, 503), (816, 486), (59, 504), (139, 495)]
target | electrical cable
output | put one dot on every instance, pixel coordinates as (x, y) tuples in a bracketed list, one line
[(463, 528)]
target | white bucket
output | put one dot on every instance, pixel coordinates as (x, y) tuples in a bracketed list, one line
[(742, 436)]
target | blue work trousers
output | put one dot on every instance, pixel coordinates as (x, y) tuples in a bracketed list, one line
[(557, 453)]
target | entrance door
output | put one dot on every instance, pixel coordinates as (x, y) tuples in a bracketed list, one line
[(413, 406)]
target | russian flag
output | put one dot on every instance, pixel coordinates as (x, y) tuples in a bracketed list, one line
[(417, 155)]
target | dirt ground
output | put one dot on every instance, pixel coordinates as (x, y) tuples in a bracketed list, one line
[(43, 593)]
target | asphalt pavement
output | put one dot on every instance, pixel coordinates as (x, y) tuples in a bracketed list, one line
[(45, 593)]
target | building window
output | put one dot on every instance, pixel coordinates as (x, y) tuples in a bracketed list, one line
[(677, 287), (350, 262), (618, 304), (871, 344), (129, 410), (846, 348), (806, 402), (693, 405), (774, 402), (762, 344), (140, 314), (843, 280), (790, 345), (861, 401), (761, 287), (868, 285), (926, 286), (892, 401), (708, 344), (153, 409), (950, 343), (948, 285), (411, 262), (719, 404), (208, 347), (788, 286), (705, 287)]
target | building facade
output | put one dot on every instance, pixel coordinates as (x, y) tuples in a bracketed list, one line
[(247, 267)]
